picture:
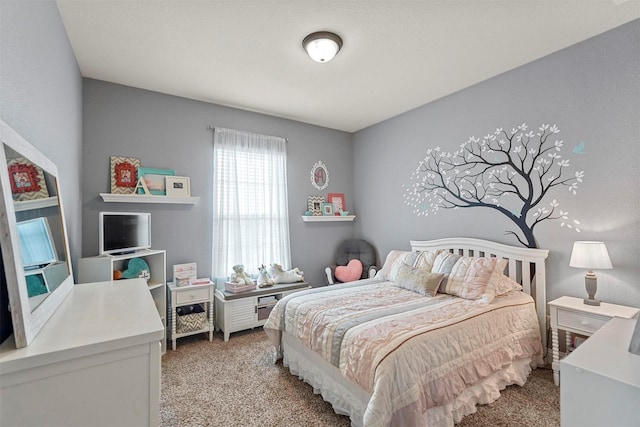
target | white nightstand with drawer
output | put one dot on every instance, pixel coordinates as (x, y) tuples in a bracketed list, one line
[(573, 316), (186, 296)]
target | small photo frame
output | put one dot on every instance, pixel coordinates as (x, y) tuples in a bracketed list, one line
[(178, 186), (337, 200), (155, 180), (314, 205), (185, 274), (27, 180), (327, 209), (124, 174)]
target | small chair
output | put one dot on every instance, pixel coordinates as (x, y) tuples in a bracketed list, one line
[(351, 249)]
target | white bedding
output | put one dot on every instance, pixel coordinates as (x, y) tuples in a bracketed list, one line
[(348, 399), (403, 358)]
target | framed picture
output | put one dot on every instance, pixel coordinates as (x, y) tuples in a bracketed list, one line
[(185, 274), (155, 180), (124, 174), (319, 175), (27, 180), (337, 200), (314, 205), (327, 209), (178, 186)]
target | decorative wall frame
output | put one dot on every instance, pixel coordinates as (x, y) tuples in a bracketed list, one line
[(319, 176), (155, 180), (327, 209), (124, 174), (27, 180), (337, 199), (178, 186), (314, 205)]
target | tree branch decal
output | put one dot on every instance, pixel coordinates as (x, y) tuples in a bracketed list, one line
[(509, 172)]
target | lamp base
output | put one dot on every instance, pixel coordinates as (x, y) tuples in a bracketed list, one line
[(591, 284)]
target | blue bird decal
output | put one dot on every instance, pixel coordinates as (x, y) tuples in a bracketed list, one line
[(579, 149)]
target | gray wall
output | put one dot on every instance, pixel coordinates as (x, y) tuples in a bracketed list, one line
[(170, 132), (592, 92), (40, 95)]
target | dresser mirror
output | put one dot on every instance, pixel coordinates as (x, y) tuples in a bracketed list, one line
[(33, 236)]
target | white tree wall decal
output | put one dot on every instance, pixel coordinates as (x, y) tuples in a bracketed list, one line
[(510, 172)]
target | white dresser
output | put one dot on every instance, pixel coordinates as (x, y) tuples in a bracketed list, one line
[(601, 379), (96, 362)]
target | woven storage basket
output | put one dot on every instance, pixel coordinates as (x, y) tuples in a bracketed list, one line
[(191, 322)]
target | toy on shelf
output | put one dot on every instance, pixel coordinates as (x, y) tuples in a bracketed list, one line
[(279, 275), (264, 280), (239, 281)]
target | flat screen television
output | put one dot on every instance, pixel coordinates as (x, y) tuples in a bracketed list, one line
[(36, 243), (124, 232)]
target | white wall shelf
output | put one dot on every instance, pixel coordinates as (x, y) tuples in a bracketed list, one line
[(327, 218), (28, 205), (141, 198)]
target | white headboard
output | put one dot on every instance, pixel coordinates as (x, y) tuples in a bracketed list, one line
[(526, 266)]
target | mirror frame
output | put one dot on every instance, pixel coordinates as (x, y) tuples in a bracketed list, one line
[(26, 323)]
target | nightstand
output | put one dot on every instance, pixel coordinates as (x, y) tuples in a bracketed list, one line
[(573, 316), (186, 296)]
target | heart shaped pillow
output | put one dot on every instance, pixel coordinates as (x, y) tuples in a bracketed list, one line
[(350, 272)]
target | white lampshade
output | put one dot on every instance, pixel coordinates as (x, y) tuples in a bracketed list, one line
[(322, 46), (590, 255)]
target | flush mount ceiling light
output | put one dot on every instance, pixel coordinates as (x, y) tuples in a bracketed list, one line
[(322, 46)]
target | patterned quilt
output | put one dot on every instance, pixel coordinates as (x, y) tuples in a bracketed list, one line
[(410, 352)]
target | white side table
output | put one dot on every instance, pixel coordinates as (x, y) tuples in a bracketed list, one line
[(188, 295), (573, 316)]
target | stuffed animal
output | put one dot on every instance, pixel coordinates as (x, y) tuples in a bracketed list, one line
[(280, 276), (239, 276), (264, 280), (136, 267)]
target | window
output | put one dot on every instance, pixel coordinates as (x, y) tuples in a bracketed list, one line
[(250, 208)]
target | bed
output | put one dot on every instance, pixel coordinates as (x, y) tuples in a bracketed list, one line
[(440, 329)]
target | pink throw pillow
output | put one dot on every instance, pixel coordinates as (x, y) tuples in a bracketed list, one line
[(350, 272)]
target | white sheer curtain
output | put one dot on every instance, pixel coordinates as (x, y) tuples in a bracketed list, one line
[(250, 214)]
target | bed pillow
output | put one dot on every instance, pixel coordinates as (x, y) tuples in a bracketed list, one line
[(424, 259), (470, 277), (394, 258), (444, 263), (350, 272), (504, 284), (418, 280)]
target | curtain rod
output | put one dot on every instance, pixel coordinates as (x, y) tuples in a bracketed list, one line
[(212, 127)]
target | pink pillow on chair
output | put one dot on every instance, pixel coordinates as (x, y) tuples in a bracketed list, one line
[(350, 272)]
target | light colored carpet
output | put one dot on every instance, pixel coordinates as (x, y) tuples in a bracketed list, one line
[(237, 384)]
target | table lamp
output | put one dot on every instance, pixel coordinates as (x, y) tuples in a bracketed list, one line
[(592, 256)]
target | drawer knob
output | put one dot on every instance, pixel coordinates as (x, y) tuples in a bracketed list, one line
[(585, 323)]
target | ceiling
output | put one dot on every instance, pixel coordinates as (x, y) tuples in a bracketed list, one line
[(397, 54)]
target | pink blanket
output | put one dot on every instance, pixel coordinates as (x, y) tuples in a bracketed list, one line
[(410, 352)]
